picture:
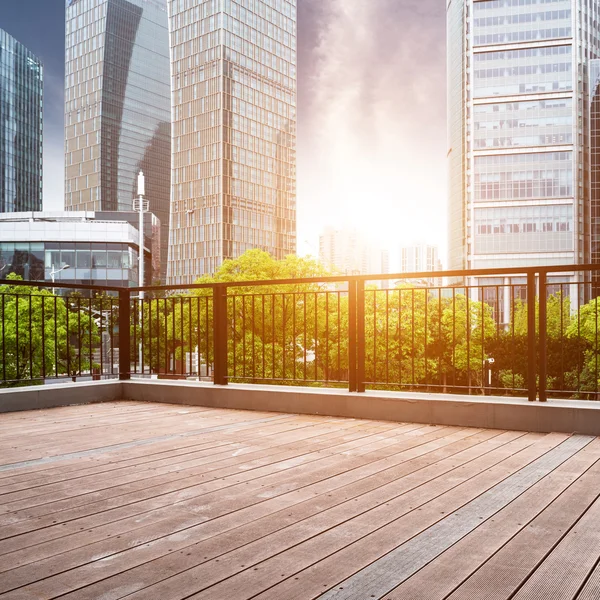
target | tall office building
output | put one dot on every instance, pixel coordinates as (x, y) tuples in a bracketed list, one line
[(117, 107), (519, 152), (21, 132), (234, 132)]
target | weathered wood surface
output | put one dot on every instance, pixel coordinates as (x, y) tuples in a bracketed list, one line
[(150, 501)]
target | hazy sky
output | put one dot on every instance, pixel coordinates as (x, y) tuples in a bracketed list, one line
[(371, 127)]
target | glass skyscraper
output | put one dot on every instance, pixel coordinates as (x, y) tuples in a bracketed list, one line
[(117, 110), (519, 143), (234, 132), (21, 132)]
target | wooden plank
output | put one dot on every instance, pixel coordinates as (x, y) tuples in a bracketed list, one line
[(219, 472), (277, 475), (55, 491), (256, 526), (311, 540), (235, 502), (507, 570), (326, 560), (573, 483), (256, 428), (107, 439), (568, 566), (591, 589), (382, 576), (85, 517)]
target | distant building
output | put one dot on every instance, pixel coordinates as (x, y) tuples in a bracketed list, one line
[(21, 132), (95, 248), (234, 132), (419, 258), (348, 252), (118, 107)]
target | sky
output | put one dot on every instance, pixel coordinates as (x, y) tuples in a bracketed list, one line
[(371, 114)]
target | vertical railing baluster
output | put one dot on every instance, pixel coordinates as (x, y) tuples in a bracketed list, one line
[(43, 325), (220, 333), (531, 337), (360, 336), (352, 321), (124, 334), (543, 334)]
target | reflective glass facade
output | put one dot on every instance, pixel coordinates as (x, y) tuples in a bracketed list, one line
[(234, 132), (21, 139), (595, 169), (117, 111), (91, 263), (526, 144)]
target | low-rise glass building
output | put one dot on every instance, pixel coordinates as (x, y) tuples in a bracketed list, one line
[(78, 247)]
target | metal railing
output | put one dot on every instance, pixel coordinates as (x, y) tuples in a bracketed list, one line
[(531, 332)]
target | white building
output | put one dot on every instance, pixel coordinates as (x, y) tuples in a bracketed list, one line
[(347, 252), (78, 246)]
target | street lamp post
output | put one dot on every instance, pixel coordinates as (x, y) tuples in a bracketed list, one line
[(53, 273), (141, 205)]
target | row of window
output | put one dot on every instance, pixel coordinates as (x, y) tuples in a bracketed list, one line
[(512, 141), (517, 18), (487, 5), (524, 219), (521, 36), (522, 70), (522, 54)]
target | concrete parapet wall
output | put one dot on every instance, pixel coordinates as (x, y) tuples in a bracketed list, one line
[(565, 416), (60, 394)]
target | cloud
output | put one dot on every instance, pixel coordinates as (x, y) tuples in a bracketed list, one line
[(372, 132)]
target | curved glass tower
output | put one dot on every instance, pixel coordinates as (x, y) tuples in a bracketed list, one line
[(234, 132), (117, 107), (21, 92), (519, 143)]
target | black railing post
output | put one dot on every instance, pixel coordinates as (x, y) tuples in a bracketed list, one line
[(352, 303), (531, 337), (543, 337), (124, 335), (220, 334), (360, 336)]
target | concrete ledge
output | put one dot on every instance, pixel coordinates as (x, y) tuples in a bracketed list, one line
[(564, 416), (60, 394)]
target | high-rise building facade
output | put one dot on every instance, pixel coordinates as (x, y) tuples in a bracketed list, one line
[(234, 132), (21, 130), (518, 80), (117, 107)]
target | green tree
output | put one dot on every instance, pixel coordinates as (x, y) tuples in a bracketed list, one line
[(42, 335)]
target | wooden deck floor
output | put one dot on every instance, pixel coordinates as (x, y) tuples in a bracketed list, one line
[(149, 501)]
